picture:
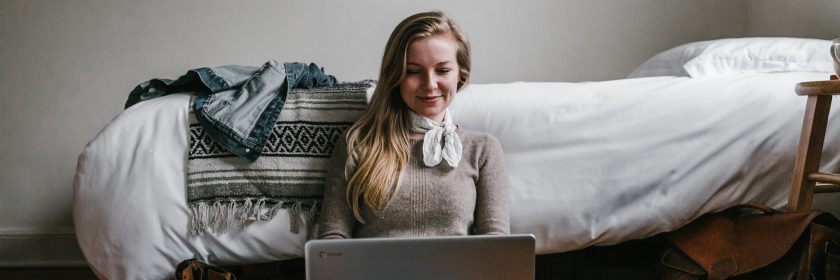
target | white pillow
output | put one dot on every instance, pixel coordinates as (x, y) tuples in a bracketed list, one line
[(739, 55), (670, 62)]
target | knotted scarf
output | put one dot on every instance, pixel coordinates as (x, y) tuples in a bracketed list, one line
[(439, 141)]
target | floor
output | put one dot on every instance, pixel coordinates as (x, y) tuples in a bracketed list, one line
[(630, 260), (47, 273)]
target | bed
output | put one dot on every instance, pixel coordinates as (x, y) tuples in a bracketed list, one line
[(693, 130)]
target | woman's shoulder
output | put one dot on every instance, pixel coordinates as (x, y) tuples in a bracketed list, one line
[(476, 137), (481, 146)]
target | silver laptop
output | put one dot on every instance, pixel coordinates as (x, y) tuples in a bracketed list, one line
[(454, 257)]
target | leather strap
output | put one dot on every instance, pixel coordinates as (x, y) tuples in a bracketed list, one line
[(722, 269)]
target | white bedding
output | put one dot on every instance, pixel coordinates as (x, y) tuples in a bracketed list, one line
[(604, 162), (590, 164)]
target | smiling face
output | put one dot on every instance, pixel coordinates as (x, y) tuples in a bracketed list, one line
[(431, 76)]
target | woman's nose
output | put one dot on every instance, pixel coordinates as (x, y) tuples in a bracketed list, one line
[(429, 82)]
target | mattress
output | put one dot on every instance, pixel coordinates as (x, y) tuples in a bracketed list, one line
[(591, 163)]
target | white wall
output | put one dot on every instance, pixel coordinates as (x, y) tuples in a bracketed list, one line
[(67, 67), (810, 19)]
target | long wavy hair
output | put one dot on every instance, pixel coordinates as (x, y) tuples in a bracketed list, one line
[(378, 143)]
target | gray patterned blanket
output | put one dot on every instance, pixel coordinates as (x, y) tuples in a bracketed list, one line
[(225, 191)]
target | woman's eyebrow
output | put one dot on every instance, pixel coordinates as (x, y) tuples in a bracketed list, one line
[(436, 64)]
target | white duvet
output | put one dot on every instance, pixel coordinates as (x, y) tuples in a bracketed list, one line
[(589, 163)]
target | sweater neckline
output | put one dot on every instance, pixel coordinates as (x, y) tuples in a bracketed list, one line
[(457, 130)]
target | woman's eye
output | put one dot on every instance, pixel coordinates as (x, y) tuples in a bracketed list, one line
[(412, 72), (444, 70)]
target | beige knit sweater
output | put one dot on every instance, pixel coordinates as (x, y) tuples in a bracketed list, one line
[(432, 201)]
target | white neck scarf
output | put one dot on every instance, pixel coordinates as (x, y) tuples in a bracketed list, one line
[(440, 140)]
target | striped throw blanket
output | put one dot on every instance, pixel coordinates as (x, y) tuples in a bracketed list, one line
[(226, 192)]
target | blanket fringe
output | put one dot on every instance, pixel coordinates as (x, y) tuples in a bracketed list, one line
[(222, 216)]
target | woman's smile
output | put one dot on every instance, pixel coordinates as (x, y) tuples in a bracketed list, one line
[(429, 99)]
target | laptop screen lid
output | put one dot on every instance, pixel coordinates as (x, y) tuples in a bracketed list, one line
[(450, 257)]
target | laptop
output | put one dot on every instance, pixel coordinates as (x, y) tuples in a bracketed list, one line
[(450, 257)]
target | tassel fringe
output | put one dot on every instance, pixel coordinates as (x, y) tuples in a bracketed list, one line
[(223, 216)]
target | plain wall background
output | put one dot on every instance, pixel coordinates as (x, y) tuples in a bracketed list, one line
[(67, 66), (808, 18)]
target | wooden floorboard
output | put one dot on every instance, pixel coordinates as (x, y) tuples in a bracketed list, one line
[(48, 273)]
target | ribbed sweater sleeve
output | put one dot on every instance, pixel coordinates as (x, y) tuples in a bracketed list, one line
[(336, 219), (491, 213)]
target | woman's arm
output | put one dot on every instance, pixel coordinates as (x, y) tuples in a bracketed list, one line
[(336, 220), (491, 213)]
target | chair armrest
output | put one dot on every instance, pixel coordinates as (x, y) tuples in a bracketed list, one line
[(818, 88)]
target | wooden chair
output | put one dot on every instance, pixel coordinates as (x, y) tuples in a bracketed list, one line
[(807, 179)]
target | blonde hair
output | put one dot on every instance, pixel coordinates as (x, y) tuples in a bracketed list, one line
[(378, 143)]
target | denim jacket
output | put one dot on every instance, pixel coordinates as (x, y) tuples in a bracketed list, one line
[(237, 105)]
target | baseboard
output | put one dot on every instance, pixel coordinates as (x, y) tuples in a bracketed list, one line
[(39, 247)]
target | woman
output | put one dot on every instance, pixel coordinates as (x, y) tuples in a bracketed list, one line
[(410, 171)]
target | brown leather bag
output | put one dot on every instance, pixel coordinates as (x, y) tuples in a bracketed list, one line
[(193, 269), (769, 245)]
